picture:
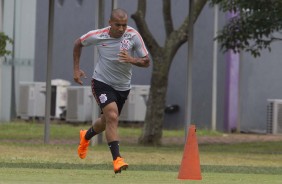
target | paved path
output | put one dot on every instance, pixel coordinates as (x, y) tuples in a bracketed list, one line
[(229, 139), (237, 138)]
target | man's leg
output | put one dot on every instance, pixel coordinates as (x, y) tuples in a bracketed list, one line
[(86, 135), (98, 127), (111, 115), (110, 112)]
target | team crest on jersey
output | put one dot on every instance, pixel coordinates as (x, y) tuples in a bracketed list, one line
[(103, 98), (124, 44)]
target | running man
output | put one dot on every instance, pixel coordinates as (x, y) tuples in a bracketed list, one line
[(111, 78)]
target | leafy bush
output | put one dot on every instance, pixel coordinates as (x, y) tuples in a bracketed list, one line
[(4, 39)]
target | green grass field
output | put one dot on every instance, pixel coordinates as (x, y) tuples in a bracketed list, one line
[(25, 159)]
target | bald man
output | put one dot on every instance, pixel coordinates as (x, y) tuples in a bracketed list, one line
[(111, 79)]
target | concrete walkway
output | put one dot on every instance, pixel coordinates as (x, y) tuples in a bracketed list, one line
[(228, 139)]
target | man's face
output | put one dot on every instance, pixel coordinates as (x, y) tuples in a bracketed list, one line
[(118, 27)]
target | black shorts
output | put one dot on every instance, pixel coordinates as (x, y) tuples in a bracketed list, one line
[(105, 94)]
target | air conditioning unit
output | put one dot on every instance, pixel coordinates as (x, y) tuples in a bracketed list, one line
[(31, 100), (59, 98), (135, 106), (274, 116), (79, 104)]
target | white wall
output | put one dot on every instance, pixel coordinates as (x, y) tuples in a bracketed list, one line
[(1, 29), (24, 49)]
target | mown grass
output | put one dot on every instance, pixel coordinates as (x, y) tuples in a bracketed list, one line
[(129, 177), (24, 160), (34, 130)]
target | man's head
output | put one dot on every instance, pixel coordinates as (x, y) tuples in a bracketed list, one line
[(118, 22)]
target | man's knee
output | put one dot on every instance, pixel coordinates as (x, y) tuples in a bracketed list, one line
[(111, 113), (112, 116)]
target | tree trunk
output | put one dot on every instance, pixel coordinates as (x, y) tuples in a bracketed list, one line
[(162, 58), (152, 130)]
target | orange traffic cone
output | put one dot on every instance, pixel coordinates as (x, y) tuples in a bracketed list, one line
[(190, 165)]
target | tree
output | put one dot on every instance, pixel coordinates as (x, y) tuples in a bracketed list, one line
[(162, 57), (256, 25), (4, 39)]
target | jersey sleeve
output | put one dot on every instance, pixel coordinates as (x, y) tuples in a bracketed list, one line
[(139, 45), (88, 38)]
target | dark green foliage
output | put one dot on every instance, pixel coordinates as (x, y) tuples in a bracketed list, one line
[(4, 39), (257, 24)]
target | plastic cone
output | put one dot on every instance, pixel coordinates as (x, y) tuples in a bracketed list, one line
[(190, 165)]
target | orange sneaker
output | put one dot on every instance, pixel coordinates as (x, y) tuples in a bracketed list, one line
[(119, 165), (83, 145)]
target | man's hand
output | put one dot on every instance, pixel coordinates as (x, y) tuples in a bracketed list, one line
[(77, 74), (127, 58)]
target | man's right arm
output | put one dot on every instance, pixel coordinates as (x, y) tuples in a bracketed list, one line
[(77, 73)]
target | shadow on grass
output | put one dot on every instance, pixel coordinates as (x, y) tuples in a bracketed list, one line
[(147, 167)]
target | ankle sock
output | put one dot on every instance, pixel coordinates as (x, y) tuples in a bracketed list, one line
[(90, 133), (114, 147)]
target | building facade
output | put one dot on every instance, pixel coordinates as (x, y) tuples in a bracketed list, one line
[(258, 77)]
